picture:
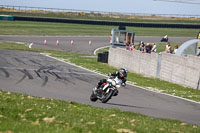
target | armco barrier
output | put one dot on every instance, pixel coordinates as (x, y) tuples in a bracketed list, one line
[(169, 67), (109, 23)]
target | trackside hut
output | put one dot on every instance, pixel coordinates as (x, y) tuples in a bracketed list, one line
[(121, 38)]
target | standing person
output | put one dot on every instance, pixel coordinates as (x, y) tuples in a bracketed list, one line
[(154, 49), (132, 47), (168, 48), (127, 46), (175, 48), (148, 48), (110, 38), (142, 46)]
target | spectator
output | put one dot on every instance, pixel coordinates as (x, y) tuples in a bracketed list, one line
[(175, 49), (198, 51), (110, 38), (148, 48), (168, 48), (154, 49), (142, 46), (132, 47), (127, 46)]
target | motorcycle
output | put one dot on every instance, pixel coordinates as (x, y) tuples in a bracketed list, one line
[(105, 92), (164, 39)]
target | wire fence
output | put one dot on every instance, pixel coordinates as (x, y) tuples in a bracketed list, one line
[(27, 9)]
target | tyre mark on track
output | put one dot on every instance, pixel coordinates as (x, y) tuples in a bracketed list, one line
[(18, 60), (26, 74), (44, 73), (5, 72)]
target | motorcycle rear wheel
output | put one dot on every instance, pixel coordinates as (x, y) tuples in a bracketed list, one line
[(107, 96)]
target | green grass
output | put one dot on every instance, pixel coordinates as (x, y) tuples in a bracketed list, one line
[(55, 29), (23, 113), (64, 29), (137, 79)]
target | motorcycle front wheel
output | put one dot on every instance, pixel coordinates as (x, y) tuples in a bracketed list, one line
[(93, 97)]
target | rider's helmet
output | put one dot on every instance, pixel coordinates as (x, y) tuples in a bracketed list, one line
[(123, 72)]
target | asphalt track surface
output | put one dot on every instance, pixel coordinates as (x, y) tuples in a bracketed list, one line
[(81, 43), (38, 75)]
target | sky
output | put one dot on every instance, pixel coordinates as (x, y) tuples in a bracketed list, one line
[(188, 7)]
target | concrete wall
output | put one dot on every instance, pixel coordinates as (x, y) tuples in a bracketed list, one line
[(176, 69), (180, 70), (134, 61)]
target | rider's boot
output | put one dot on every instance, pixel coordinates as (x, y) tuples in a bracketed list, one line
[(115, 93), (97, 87)]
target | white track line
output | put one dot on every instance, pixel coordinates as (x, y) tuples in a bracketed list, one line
[(96, 73), (30, 45), (12, 42), (100, 48)]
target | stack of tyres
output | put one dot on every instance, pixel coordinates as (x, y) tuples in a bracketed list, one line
[(103, 57), (100, 57)]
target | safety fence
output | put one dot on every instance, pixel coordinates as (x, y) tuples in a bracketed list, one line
[(182, 70), (109, 23)]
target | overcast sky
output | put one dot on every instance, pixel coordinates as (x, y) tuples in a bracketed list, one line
[(128, 6)]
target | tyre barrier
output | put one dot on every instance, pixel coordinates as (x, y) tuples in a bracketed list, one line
[(103, 57), (108, 23)]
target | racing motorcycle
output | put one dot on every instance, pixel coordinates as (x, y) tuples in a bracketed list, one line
[(105, 92), (164, 39)]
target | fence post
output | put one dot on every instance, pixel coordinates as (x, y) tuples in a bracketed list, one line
[(198, 82), (158, 65)]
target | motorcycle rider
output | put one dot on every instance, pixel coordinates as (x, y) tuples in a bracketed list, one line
[(122, 74), (164, 39)]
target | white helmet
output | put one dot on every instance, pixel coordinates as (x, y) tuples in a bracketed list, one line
[(124, 72)]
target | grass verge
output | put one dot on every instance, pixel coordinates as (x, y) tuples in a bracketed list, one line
[(64, 29), (23, 113)]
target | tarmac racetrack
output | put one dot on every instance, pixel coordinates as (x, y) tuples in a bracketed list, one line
[(39, 75), (81, 43)]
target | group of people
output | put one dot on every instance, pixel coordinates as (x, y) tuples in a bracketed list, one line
[(148, 48), (168, 48)]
